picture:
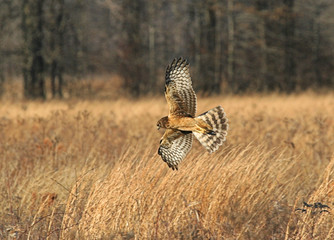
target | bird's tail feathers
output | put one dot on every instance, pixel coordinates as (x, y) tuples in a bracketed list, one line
[(216, 136)]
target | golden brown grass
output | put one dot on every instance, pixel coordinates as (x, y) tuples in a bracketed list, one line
[(90, 170)]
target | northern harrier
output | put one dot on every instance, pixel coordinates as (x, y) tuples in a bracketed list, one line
[(210, 128)]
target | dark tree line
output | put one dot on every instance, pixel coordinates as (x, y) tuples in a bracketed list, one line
[(232, 45)]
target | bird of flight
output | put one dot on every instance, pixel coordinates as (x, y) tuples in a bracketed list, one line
[(210, 128)]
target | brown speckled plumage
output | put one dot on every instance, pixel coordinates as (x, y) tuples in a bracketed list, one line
[(210, 128)]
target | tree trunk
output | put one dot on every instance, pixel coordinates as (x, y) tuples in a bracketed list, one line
[(57, 46), (197, 41), (289, 61), (151, 45), (262, 86), (132, 62), (318, 79), (212, 64), (53, 78), (60, 82), (230, 48), (218, 50), (2, 81), (33, 67)]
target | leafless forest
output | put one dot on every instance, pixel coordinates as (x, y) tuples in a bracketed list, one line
[(56, 46)]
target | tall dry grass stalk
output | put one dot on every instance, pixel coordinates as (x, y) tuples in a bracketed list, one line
[(90, 170)]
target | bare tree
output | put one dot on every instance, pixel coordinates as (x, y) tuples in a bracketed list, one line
[(132, 65), (289, 34), (262, 8), (57, 27), (33, 65), (230, 46)]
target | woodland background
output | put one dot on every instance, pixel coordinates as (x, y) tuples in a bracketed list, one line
[(57, 48)]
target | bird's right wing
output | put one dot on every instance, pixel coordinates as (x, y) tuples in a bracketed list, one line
[(174, 146)]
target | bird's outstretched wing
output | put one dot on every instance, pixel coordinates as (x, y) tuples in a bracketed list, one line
[(179, 92), (174, 146)]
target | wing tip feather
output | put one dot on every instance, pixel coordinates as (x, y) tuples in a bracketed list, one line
[(180, 62), (177, 62)]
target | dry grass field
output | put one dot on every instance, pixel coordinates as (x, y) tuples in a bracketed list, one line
[(90, 170)]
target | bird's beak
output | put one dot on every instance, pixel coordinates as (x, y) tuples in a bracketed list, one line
[(158, 127)]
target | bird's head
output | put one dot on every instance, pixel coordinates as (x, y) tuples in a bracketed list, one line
[(162, 123)]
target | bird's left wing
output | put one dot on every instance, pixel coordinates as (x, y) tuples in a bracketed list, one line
[(174, 146), (179, 92)]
